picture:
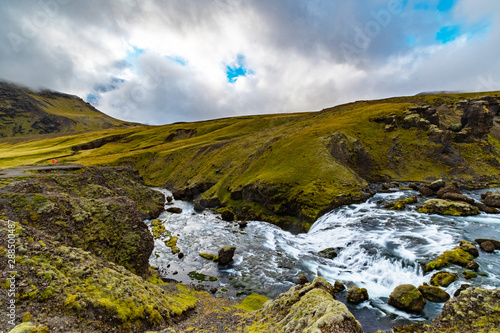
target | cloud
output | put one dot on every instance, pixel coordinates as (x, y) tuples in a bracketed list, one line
[(160, 62)]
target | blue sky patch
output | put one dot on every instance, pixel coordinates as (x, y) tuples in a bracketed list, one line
[(445, 5), (133, 55), (233, 72), (181, 61), (448, 34)]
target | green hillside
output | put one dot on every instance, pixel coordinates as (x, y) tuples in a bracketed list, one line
[(290, 168), (25, 112)]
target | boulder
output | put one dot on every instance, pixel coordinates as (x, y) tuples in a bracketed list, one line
[(401, 204), (473, 310), (243, 224), (457, 197), (468, 275), (433, 294), (437, 185), (304, 308), (469, 247), (443, 279), (487, 209), (328, 253), (226, 254), (472, 265), (198, 208), (174, 210), (447, 207), (406, 297), (169, 198), (450, 188), (356, 295), (227, 216), (425, 190), (488, 245), (454, 257), (491, 199)]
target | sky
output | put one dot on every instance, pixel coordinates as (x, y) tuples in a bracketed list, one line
[(160, 62)]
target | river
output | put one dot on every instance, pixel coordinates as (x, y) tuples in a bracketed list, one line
[(378, 249)]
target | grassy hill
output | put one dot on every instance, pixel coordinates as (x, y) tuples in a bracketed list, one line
[(25, 112), (291, 168)]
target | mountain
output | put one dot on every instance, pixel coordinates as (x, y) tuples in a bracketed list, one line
[(289, 169), (25, 112)]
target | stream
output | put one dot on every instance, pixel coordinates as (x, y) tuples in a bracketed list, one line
[(378, 249)]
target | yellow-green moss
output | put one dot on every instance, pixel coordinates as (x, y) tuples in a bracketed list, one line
[(252, 302), (456, 256), (208, 256)]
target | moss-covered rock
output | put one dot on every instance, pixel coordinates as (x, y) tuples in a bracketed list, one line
[(443, 279), (208, 256), (401, 204), (468, 275), (491, 198), (434, 294), (356, 295), (93, 210), (408, 298), (469, 247), (307, 308), (93, 295), (457, 256), (447, 207), (474, 310), (328, 253)]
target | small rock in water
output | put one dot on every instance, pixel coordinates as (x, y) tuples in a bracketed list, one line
[(180, 255), (433, 294), (443, 279), (226, 254), (243, 224), (356, 295), (175, 273), (198, 208), (227, 216), (406, 297), (437, 185), (472, 265), (328, 253), (174, 210), (169, 199), (488, 245), (338, 287), (302, 279), (425, 191)]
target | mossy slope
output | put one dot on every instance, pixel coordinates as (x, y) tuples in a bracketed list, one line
[(289, 169), (25, 112)]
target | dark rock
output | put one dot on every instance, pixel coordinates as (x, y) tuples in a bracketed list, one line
[(406, 297), (169, 198), (457, 197), (243, 224), (469, 247), (180, 255), (350, 152), (213, 290), (495, 243), (226, 254), (477, 120), (210, 203), (174, 210), (302, 279), (472, 265), (487, 209), (433, 294), (450, 188), (437, 185), (414, 186), (338, 287), (175, 273), (198, 208), (491, 199), (357, 295), (468, 275), (227, 216), (425, 190), (237, 194), (487, 246), (443, 279), (328, 253), (447, 207), (462, 288)]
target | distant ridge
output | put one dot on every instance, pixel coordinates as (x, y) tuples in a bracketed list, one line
[(26, 112), (441, 92)]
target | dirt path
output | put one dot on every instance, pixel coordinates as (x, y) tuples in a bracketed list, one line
[(28, 170)]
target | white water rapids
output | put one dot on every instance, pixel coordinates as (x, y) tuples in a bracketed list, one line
[(378, 249)]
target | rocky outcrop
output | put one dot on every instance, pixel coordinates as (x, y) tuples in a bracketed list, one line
[(447, 207), (461, 256), (80, 292), (474, 310), (305, 308), (100, 210), (408, 298), (433, 294), (226, 254)]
